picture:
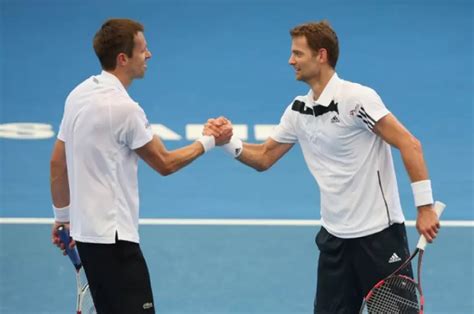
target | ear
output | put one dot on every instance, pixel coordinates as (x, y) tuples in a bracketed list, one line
[(323, 55), (122, 59)]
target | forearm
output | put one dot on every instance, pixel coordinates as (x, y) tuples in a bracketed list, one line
[(59, 185), (180, 158), (412, 156), (253, 156), (59, 176)]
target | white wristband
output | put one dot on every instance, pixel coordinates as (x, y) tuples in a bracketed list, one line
[(422, 192), (61, 214), (208, 142), (234, 147)]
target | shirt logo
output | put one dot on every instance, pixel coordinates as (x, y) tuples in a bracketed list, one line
[(335, 119), (394, 258), (354, 111)]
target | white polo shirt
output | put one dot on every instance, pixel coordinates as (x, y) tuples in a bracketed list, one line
[(101, 127), (351, 164)]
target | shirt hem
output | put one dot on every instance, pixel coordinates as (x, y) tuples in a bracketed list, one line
[(359, 234), (104, 240)]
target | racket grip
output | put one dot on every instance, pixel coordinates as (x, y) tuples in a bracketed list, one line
[(438, 208), (72, 253)]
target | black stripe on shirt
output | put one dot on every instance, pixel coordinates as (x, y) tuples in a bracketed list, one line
[(384, 199), (367, 122), (362, 110)]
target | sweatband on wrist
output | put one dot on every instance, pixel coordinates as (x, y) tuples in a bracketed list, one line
[(234, 147), (208, 142), (61, 214), (422, 192)]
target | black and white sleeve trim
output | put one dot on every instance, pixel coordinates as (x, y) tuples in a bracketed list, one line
[(368, 120)]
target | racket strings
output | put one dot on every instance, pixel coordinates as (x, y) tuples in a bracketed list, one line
[(396, 295), (87, 303)]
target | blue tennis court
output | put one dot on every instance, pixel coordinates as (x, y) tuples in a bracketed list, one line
[(220, 237)]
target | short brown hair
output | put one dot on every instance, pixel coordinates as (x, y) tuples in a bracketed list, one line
[(319, 35), (114, 37)]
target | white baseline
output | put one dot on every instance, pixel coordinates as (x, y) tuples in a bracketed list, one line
[(226, 222)]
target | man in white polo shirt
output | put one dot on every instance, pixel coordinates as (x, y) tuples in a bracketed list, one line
[(345, 132), (94, 183)]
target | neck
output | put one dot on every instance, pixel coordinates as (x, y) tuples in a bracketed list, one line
[(123, 78), (319, 82)]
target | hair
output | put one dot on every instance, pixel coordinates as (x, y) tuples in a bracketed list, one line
[(114, 37), (319, 35)]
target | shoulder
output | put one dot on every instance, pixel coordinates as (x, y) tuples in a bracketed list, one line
[(79, 90), (354, 92), (124, 106)]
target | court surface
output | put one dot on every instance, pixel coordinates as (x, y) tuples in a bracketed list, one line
[(229, 58)]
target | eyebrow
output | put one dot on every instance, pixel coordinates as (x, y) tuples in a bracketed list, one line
[(296, 51)]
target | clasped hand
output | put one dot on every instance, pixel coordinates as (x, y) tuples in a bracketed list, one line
[(221, 128)]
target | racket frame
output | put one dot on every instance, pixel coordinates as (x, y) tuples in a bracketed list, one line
[(420, 248)]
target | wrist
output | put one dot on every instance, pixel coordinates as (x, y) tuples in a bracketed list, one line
[(61, 215), (234, 147), (422, 193), (208, 142)]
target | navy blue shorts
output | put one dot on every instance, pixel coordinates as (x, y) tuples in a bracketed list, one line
[(349, 268)]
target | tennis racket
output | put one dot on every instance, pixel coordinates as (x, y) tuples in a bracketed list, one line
[(85, 305), (398, 293)]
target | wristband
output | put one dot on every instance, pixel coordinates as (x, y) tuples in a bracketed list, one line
[(422, 192), (61, 214), (208, 142), (234, 147)]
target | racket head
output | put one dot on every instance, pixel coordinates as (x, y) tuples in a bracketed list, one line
[(395, 294), (84, 302)]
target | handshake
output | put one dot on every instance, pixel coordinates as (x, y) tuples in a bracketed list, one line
[(219, 132)]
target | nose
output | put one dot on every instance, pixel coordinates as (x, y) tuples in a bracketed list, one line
[(291, 61), (148, 55)]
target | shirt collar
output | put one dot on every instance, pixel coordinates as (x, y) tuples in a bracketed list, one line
[(111, 80), (328, 93)]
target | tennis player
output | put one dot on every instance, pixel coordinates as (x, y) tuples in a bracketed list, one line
[(94, 170), (345, 132)]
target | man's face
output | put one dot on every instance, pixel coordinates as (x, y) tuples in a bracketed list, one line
[(303, 59), (137, 63)]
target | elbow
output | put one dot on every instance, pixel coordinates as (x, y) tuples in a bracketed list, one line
[(415, 145), (411, 147), (263, 166), (166, 171)]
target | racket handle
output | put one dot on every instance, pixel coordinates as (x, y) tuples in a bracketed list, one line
[(438, 208), (72, 253)]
